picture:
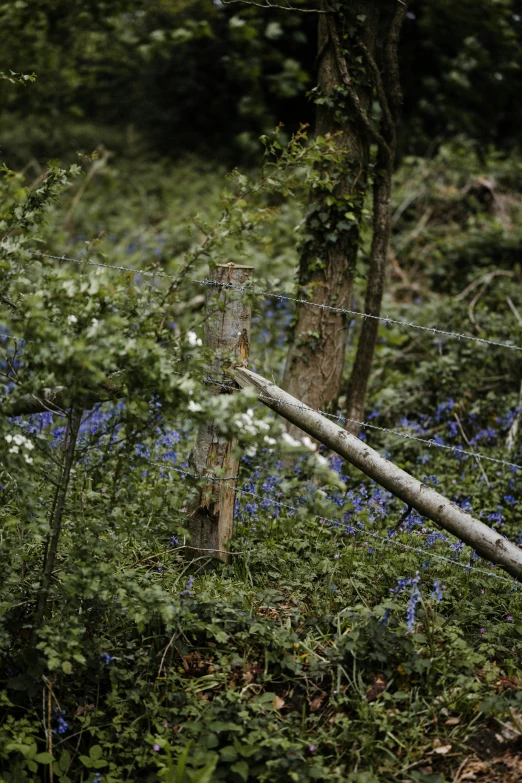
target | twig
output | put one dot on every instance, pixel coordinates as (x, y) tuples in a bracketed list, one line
[(172, 639), (268, 4), (513, 430), (514, 310), (488, 276), (477, 459), (57, 517)]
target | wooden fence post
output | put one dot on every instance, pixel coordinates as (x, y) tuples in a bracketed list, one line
[(227, 334)]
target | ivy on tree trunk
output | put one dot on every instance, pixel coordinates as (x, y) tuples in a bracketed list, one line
[(354, 67), (329, 251)]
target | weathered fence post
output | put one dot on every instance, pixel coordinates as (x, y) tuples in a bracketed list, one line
[(227, 334)]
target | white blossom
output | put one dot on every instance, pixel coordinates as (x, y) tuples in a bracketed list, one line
[(194, 407), (193, 339), (290, 441), (72, 319), (19, 440), (308, 444), (93, 328)]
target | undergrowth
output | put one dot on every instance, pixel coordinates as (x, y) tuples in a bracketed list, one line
[(336, 644)]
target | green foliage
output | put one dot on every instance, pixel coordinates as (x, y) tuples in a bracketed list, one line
[(296, 661)]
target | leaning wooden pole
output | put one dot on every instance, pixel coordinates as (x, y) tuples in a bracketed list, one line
[(227, 335), (487, 542)]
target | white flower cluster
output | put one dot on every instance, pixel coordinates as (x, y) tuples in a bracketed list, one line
[(247, 423), (20, 441), (193, 339), (306, 442)]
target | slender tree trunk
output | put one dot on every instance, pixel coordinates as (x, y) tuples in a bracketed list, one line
[(387, 82), (360, 375), (315, 360), (55, 523)]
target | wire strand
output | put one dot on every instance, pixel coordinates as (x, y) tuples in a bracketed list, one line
[(427, 442), (385, 320), (430, 442), (339, 522), (284, 297)]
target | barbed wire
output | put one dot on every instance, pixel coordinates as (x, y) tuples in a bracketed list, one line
[(87, 262), (425, 441), (387, 321), (285, 297), (338, 523)]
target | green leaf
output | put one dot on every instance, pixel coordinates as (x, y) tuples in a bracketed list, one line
[(241, 767), (86, 761), (182, 763), (95, 752), (228, 753), (44, 758), (205, 775)]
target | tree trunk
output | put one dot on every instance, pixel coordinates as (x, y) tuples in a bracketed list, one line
[(387, 82), (315, 359), (360, 375)]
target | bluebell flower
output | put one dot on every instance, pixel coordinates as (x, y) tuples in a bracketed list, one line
[(62, 726), (188, 586), (106, 658), (437, 591)]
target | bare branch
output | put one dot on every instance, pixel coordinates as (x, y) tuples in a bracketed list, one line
[(268, 4), (388, 121), (391, 59)]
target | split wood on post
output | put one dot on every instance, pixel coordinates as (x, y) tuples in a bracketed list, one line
[(487, 542), (227, 334)]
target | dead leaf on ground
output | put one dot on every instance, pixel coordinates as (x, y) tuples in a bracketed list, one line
[(196, 666), (452, 721), (442, 749), (508, 683), (316, 702), (506, 768), (278, 703)]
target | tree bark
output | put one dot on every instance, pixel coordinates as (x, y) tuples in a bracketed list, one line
[(360, 374), (316, 356), (387, 82)]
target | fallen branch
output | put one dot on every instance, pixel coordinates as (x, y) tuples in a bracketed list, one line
[(427, 501)]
